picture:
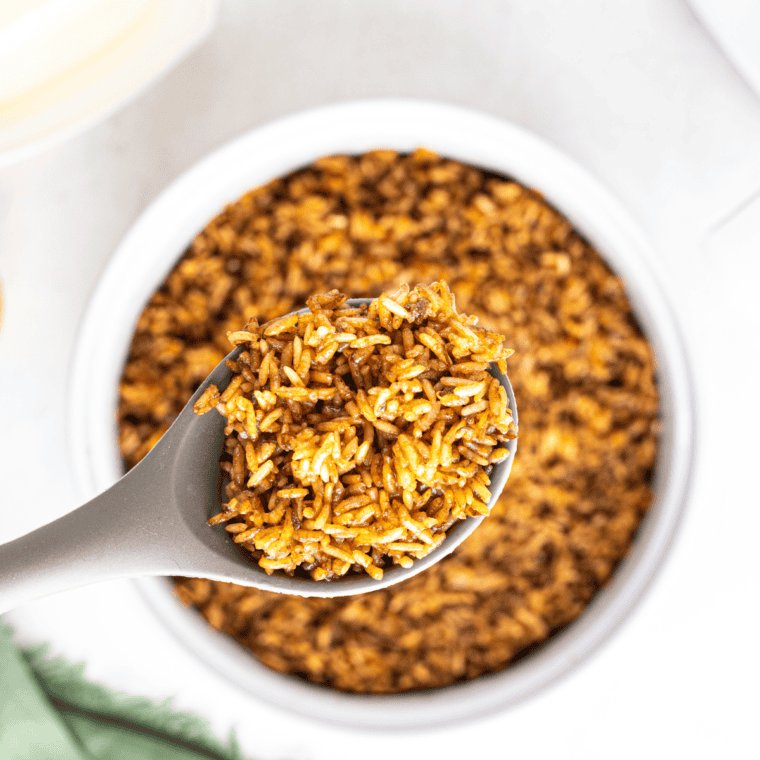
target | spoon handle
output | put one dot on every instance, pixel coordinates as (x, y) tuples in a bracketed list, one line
[(99, 541)]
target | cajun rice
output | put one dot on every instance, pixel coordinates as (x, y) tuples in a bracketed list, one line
[(358, 435), (582, 374)]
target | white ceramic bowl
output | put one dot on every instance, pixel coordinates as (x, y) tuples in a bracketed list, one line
[(69, 65), (161, 235)]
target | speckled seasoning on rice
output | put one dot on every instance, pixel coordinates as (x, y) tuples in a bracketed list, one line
[(358, 435), (582, 374)]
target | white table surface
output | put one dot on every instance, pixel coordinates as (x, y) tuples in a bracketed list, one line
[(635, 91)]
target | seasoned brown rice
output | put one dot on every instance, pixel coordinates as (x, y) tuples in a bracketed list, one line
[(358, 435), (582, 374)]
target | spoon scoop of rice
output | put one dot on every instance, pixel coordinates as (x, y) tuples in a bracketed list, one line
[(358, 433)]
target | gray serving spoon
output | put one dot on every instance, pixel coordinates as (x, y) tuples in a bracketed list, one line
[(153, 522)]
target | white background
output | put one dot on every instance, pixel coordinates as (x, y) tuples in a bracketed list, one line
[(634, 91)]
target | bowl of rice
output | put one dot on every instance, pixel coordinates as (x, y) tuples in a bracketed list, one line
[(362, 197)]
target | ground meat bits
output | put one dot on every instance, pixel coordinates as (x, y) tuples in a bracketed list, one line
[(582, 374)]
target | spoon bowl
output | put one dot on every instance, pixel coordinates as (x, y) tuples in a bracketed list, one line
[(153, 522)]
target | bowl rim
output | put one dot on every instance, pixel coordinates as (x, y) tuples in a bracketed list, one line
[(160, 236)]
